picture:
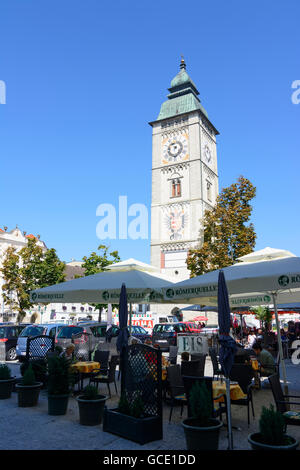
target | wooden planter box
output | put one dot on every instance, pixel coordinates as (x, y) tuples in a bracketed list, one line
[(140, 430)]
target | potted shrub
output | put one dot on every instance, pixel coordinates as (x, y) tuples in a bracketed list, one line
[(131, 422), (91, 406), (29, 389), (271, 435), (39, 367), (59, 381), (6, 382), (201, 430)]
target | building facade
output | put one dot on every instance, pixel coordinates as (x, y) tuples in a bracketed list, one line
[(44, 313), (184, 175), (18, 240)]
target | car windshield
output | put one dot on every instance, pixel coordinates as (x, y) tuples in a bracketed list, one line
[(32, 331), (161, 328), (180, 327), (68, 331)]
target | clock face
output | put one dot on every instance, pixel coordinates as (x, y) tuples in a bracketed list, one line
[(175, 148), (207, 153)]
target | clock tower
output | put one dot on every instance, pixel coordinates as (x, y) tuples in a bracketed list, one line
[(184, 175)]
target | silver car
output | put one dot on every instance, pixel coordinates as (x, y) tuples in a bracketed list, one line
[(30, 331)]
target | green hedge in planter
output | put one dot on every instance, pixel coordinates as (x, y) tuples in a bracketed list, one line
[(6, 382), (130, 422), (59, 384), (201, 430), (272, 435), (91, 406), (29, 389)]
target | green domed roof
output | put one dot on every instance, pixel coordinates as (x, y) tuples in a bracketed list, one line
[(183, 97), (182, 77)]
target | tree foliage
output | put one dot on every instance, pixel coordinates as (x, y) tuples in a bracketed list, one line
[(97, 263), (264, 315), (28, 269), (227, 233)]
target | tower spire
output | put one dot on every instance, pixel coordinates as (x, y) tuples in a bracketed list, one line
[(182, 63)]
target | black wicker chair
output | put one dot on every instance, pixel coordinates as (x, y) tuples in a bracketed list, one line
[(283, 401), (102, 357), (193, 368), (175, 388), (173, 350), (108, 378), (243, 374), (215, 363)]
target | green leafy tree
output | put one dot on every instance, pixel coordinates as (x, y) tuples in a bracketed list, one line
[(28, 269), (98, 262), (227, 233), (264, 315)]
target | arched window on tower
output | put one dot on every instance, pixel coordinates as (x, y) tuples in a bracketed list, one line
[(176, 187), (209, 190)]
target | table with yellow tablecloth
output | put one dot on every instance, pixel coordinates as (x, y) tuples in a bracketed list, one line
[(219, 388), (84, 367)]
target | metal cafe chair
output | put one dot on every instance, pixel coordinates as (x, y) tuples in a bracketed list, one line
[(108, 378), (243, 374), (283, 402), (176, 388)]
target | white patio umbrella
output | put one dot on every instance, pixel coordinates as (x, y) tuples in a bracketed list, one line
[(105, 287), (132, 263), (142, 286), (265, 254), (259, 283)]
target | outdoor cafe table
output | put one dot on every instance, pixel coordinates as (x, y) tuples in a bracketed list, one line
[(84, 367)]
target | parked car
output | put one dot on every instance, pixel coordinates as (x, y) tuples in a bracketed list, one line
[(9, 335), (192, 327), (165, 334), (32, 330), (210, 329), (137, 331), (96, 331)]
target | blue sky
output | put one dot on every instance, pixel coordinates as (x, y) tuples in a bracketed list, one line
[(84, 78)]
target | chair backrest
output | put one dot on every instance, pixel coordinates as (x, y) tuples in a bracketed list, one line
[(202, 358), (188, 383), (243, 374), (214, 359), (173, 350), (277, 392), (193, 368), (175, 380), (102, 357), (112, 368)]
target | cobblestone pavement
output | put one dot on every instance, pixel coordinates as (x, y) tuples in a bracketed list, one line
[(33, 428)]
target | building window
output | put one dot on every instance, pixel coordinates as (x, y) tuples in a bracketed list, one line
[(176, 187), (209, 190)]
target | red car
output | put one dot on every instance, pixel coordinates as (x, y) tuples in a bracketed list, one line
[(192, 327)]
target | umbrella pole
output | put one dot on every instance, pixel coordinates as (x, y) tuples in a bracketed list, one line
[(228, 405), (286, 391), (130, 319), (241, 327)]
